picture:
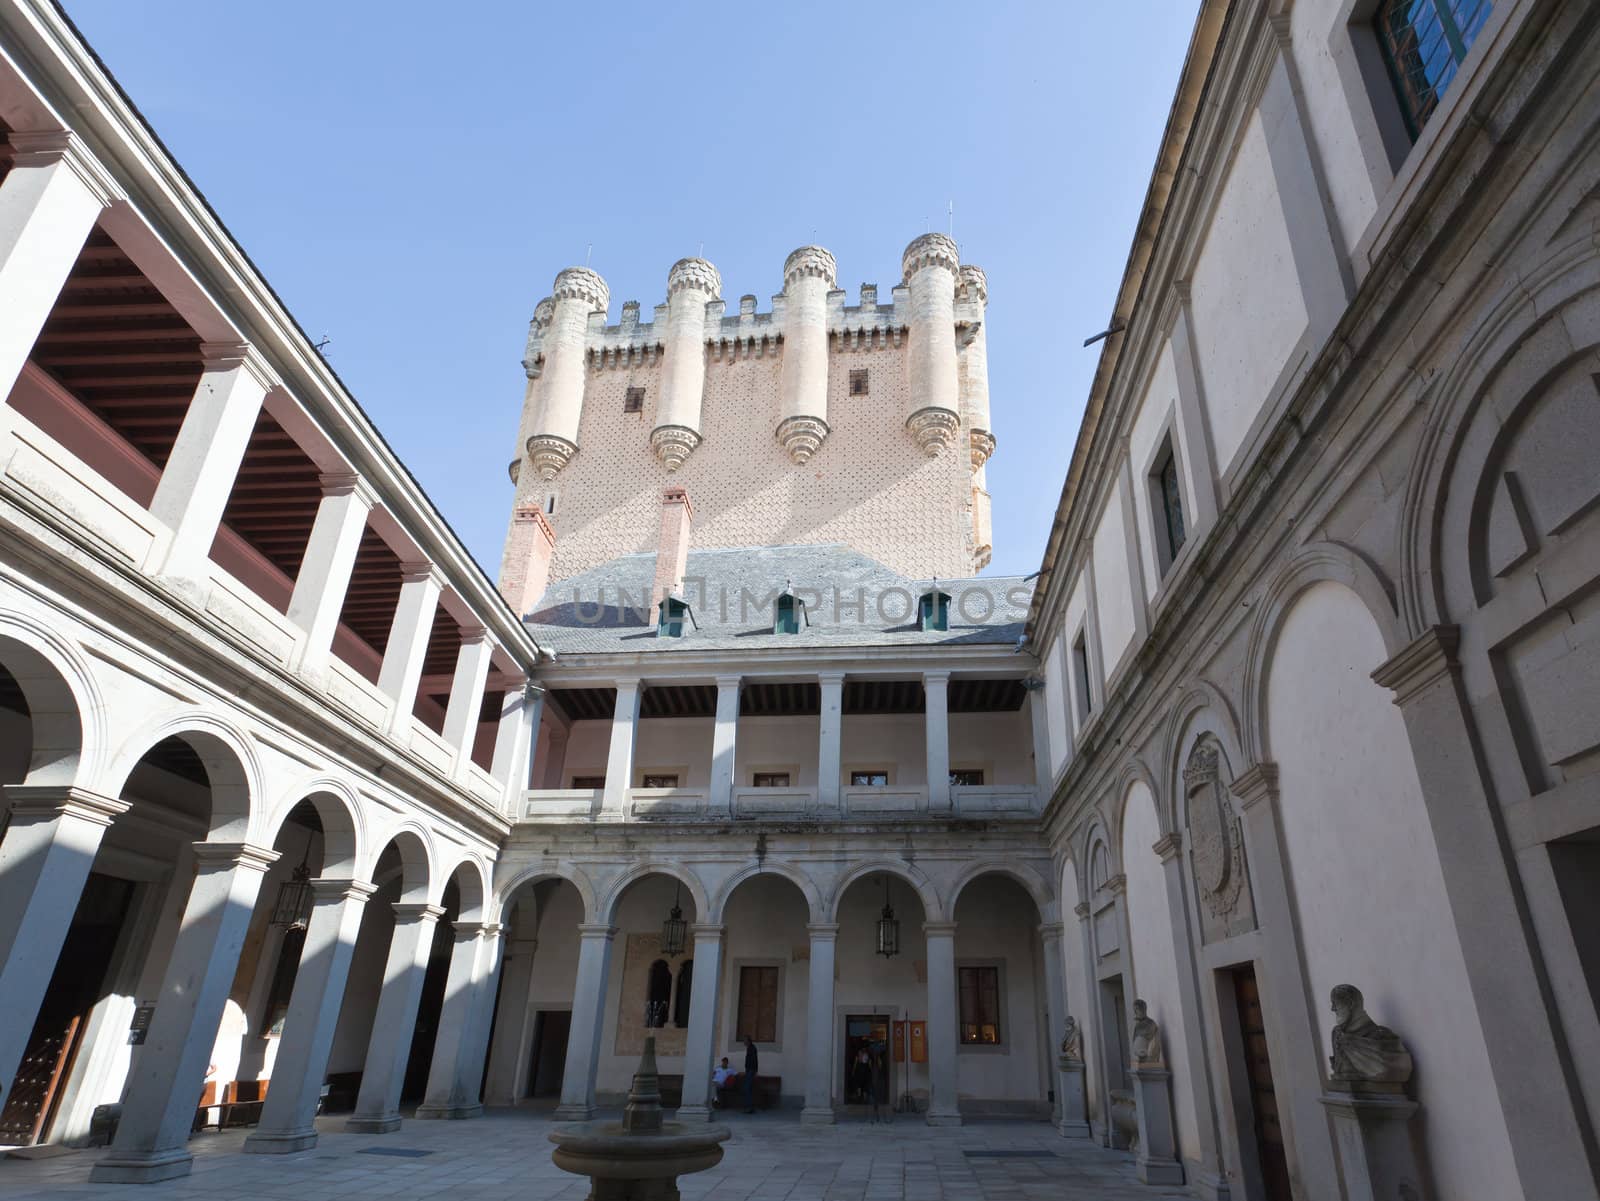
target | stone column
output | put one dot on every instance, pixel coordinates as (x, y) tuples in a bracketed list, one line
[(1092, 1023), (701, 1052), (936, 721), (830, 723), (724, 740), (389, 1048), (943, 1024), (401, 672), (48, 847), (1538, 1092), (808, 276), (466, 696), (324, 576), (619, 760), (49, 202), (163, 1087), (441, 1098), (1157, 1160), (933, 409), (691, 285), (577, 294), (588, 1021), (521, 711), (1039, 723), (820, 1025), (467, 1091), (198, 478), (1071, 1120), (974, 288), (513, 1025), (291, 1106)]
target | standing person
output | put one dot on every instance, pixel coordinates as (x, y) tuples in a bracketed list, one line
[(876, 1083), (861, 1076), (751, 1063)]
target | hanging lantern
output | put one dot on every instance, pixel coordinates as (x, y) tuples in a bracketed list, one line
[(888, 927), (672, 930), (293, 910)]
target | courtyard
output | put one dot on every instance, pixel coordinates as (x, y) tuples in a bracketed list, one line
[(506, 1155)]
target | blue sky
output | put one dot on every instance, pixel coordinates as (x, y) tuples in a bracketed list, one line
[(411, 176)]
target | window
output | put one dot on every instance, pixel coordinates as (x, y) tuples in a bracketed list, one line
[(933, 611), (633, 400), (685, 990), (1166, 501), (658, 995), (550, 504), (660, 781), (758, 1004), (980, 1005), (670, 617), (588, 781), (967, 777), (1080, 678), (771, 779), (869, 779), (858, 381), (789, 611), (1424, 43)]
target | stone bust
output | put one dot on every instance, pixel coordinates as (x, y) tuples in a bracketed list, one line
[(1072, 1040), (1146, 1041), (1364, 1053)]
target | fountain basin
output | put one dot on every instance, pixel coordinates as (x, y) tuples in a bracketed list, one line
[(603, 1151)]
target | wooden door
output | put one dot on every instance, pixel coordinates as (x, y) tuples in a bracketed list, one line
[(1263, 1096)]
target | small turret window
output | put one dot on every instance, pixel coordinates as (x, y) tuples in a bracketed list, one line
[(858, 381), (671, 615), (633, 400), (933, 611), (788, 613)]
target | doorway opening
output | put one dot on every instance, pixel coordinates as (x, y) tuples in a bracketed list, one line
[(548, 1062), (1274, 1162), (866, 1058)]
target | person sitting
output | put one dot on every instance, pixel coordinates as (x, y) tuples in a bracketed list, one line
[(721, 1077)]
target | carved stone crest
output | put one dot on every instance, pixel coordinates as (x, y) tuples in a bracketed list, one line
[(1214, 834)]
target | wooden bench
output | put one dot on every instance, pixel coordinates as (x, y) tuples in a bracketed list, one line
[(769, 1091)]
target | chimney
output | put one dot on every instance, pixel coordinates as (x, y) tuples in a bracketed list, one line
[(525, 568), (672, 551)]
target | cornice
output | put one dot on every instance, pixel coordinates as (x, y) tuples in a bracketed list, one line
[(1430, 658)]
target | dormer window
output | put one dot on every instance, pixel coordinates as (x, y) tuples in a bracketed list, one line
[(789, 613), (933, 611), (671, 614)]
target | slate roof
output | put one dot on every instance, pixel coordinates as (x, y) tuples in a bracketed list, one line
[(850, 600)]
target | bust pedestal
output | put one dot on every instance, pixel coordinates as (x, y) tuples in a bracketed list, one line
[(1372, 1131), (1157, 1159), (1073, 1120)]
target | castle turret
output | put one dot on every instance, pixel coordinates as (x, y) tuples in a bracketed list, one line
[(933, 416), (533, 364), (691, 285), (808, 276), (558, 399), (974, 296)]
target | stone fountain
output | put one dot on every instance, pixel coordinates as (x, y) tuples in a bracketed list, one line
[(641, 1157)]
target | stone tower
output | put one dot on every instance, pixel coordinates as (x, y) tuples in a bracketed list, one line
[(815, 422)]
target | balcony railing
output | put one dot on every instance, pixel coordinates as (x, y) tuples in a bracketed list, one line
[(694, 804)]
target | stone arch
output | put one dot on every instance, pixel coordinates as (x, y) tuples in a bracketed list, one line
[(233, 769), (1201, 706), (1035, 885), (913, 875), (64, 703), (1097, 833), (415, 848), (339, 812), (789, 871), (1136, 771), (1311, 564), (473, 881), (655, 867), (506, 893)]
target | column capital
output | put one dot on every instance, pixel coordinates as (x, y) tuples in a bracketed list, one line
[(1429, 658), (65, 800), (45, 148), (710, 931), (939, 929), (1258, 783), (830, 677), (1049, 930), (491, 929), (729, 681), (474, 636), (596, 930), (416, 571), (630, 682), (1083, 910), (226, 356), (822, 931), (347, 483), (409, 911), (1167, 846), (1117, 884), (337, 889), (940, 678), (214, 856), (466, 931)]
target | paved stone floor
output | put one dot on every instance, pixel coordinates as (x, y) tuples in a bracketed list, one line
[(506, 1155)]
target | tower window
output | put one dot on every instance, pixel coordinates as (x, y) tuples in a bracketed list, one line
[(1166, 501), (550, 504), (633, 400), (1424, 43), (858, 381), (1080, 677)]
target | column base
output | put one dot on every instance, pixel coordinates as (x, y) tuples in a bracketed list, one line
[(134, 1168), (694, 1113), (451, 1113), (1158, 1171), (816, 1115), (364, 1125), (1073, 1129), (944, 1119), (274, 1143), (570, 1113)]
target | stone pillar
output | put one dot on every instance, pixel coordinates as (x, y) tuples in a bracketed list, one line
[(49, 201), (830, 721), (389, 1048), (588, 1020), (1072, 1098), (48, 847), (820, 1025), (1538, 1092), (974, 289), (943, 1024), (1376, 1150), (466, 696), (1092, 1023), (507, 1081), (291, 1106), (701, 1052), (1071, 1118), (1039, 723), (936, 719), (933, 411), (691, 285), (467, 1091), (164, 1085), (407, 647), (619, 761), (198, 478), (324, 576), (578, 292), (808, 276), (724, 746), (1157, 1160), (442, 1098), (521, 710)]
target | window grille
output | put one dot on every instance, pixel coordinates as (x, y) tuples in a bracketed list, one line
[(967, 777), (771, 779), (660, 781), (869, 779), (1424, 43)]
